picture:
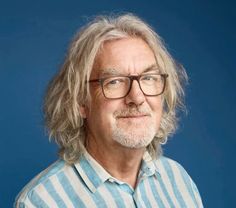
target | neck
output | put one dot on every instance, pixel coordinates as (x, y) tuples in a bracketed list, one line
[(121, 162)]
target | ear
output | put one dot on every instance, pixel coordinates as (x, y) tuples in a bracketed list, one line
[(82, 110)]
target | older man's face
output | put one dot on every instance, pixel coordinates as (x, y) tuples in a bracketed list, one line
[(132, 121)]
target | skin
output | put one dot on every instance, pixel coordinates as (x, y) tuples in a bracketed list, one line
[(128, 56)]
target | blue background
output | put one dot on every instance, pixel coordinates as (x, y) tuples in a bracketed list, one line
[(34, 36)]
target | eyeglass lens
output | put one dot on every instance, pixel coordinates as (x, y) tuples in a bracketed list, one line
[(117, 87)]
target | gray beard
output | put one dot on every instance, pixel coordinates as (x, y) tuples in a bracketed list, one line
[(134, 139)]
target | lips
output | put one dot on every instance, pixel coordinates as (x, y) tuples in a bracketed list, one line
[(132, 116), (136, 116), (132, 113)]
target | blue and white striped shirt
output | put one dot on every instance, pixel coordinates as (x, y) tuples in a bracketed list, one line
[(161, 183)]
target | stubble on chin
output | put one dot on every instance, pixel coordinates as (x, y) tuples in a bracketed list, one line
[(136, 135), (133, 133)]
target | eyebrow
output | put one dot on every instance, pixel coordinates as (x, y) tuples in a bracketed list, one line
[(109, 72), (152, 67), (115, 72)]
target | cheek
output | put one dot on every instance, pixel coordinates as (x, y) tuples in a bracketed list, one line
[(97, 95), (102, 109), (156, 104), (101, 119), (103, 106)]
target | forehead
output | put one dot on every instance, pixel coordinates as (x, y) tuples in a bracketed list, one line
[(124, 56)]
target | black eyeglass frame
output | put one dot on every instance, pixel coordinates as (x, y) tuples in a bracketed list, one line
[(132, 78)]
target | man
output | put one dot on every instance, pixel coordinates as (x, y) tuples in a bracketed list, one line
[(109, 109)]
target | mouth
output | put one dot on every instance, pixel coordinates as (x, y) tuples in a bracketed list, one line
[(132, 120), (132, 116), (139, 116)]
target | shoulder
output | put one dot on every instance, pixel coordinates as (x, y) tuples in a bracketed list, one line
[(171, 169), (174, 173), (41, 182), (165, 163), (176, 179)]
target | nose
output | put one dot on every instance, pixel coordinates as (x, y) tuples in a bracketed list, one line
[(135, 95)]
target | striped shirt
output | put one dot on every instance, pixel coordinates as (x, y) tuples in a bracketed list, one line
[(161, 183)]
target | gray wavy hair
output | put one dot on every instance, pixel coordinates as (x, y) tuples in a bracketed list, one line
[(68, 89)]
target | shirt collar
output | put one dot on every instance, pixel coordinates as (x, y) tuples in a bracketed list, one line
[(94, 175), (91, 172), (148, 167)]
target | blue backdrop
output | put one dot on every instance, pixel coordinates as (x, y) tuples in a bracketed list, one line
[(200, 34)]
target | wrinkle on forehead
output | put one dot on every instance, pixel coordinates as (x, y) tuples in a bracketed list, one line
[(109, 72), (131, 56), (116, 72)]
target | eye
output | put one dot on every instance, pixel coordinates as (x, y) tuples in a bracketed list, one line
[(114, 82), (150, 78)]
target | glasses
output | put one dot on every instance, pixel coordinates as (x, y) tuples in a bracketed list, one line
[(115, 87)]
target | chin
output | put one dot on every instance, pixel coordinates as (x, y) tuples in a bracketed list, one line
[(134, 141)]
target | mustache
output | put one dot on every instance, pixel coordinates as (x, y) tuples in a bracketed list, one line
[(132, 112)]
